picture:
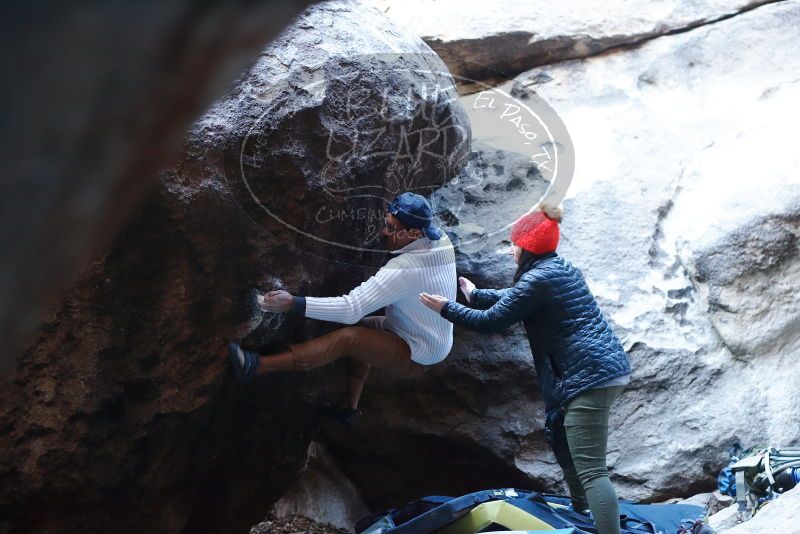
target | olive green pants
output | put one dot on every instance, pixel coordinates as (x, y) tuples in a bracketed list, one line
[(586, 425)]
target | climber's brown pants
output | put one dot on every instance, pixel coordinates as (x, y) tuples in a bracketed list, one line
[(366, 345)]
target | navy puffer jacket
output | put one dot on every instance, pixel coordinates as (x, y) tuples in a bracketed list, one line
[(574, 348)]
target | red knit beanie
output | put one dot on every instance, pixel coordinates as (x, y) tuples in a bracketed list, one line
[(535, 232)]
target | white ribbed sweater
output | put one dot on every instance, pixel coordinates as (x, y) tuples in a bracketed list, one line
[(422, 265)]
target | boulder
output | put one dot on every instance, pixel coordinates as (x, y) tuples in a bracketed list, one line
[(701, 499), (686, 237), (654, 136), (717, 502), (122, 414), (725, 519), (781, 515), (487, 41), (323, 494)]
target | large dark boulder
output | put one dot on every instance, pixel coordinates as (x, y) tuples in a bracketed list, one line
[(100, 97), (122, 414)]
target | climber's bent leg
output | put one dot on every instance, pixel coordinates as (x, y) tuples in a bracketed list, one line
[(382, 349), (357, 373)]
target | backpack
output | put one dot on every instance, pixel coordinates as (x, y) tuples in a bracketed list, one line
[(758, 476)]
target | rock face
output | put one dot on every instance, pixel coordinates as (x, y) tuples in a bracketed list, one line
[(122, 415), (781, 515), (323, 493), (689, 244), (493, 40), (102, 96), (725, 519)]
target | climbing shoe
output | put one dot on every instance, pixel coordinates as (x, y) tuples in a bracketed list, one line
[(583, 510), (345, 416), (245, 362)]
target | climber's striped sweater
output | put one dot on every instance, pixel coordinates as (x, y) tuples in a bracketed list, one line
[(423, 265)]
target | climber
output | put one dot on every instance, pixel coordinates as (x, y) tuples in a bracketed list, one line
[(405, 341), (580, 363)]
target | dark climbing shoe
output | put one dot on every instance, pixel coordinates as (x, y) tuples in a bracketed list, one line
[(583, 510), (345, 416), (245, 362)]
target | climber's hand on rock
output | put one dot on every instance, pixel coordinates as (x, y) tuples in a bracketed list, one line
[(466, 287), (278, 301), (434, 302)]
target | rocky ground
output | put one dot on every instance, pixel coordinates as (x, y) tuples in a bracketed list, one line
[(294, 525), (777, 516)]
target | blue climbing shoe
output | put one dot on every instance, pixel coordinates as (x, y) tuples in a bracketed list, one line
[(245, 362), (345, 416)]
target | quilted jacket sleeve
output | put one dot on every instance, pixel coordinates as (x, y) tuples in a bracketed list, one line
[(514, 305), (484, 298)]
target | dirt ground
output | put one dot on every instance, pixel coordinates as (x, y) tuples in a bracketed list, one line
[(294, 525)]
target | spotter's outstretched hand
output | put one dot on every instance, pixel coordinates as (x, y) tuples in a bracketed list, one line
[(434, 302), (466, 287)]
